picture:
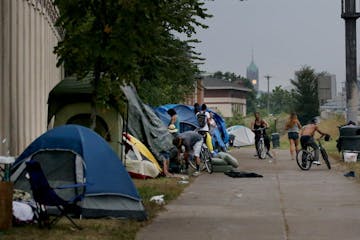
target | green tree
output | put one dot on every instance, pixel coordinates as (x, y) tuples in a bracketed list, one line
[(281, 101), (306, 98), (237, 119), (262, 102), (120, 42)]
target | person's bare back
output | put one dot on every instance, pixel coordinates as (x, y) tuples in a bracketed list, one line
[(309, 130)]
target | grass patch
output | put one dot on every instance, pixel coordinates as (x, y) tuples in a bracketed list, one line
[(94, 229)]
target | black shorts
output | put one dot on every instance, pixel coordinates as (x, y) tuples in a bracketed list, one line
[(293, 135)]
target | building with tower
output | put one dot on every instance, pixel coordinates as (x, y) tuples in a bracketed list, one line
[(252, 73)]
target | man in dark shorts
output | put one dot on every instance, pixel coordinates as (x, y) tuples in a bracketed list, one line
[(307, 137)]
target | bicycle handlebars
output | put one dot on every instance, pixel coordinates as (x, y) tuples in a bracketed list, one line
[(260, 129)]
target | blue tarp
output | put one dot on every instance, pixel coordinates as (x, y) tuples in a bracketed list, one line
[(188, 119)]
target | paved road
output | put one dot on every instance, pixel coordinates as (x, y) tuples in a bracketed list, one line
[(286, 204)]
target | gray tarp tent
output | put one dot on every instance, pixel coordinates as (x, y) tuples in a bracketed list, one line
[(141, 120)]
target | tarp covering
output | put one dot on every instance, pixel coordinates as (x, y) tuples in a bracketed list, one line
[(187, 116), (107, 179), (146, 126)]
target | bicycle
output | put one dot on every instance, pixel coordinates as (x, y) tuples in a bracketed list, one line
[(205, 160), (260, 146), (306, 157)]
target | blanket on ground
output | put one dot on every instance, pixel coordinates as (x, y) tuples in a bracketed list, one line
[(242, 174)]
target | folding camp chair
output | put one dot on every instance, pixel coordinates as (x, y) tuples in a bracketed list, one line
[(44, 196)]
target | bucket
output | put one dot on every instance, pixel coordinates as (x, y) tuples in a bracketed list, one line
[(6, 194), (350, 157)]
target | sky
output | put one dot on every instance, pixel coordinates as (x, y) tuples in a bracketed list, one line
[(284, 36)]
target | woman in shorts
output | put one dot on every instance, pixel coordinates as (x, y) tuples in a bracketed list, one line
[(293, 127)]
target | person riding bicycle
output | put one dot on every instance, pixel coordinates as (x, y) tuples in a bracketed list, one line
[(192, 141), (307, 133), (257, 124)]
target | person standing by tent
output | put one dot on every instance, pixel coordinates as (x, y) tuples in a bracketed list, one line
[(196, 108), (293, 127), (174, 118), (257, 124), (192, 141), (203, 117)]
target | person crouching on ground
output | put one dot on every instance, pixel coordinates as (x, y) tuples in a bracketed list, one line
[(192, 141)]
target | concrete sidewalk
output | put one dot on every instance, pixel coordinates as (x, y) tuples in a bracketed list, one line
[(286, 203)]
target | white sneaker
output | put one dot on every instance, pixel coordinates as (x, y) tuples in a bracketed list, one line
[(196, 173), (316, 162)]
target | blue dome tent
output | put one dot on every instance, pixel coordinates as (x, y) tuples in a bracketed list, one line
[(71, 154)]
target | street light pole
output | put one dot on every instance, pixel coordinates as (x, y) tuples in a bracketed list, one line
[(268, 93), (349, 14)]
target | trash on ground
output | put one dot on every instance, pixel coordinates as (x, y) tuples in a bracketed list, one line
[(183, 182), (158, 199), (350, 174), (239, 195)]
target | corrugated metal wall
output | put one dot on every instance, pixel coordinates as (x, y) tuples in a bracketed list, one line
[(27, 70)]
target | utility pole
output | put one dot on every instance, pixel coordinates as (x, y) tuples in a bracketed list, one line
[(349, 14), (268, 92)]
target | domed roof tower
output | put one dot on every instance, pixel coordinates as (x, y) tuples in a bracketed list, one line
[(252, 73)]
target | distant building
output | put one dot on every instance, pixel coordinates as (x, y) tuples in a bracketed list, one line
[(198, 95), (337, 104), (225, 97), (252, 73), (326, 88)]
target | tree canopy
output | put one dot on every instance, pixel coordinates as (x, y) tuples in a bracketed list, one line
[(306, 93), (281, 100), (121, 41)]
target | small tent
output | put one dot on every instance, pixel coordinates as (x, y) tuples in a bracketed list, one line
[(243, 136), (138, 160), (72, 154)]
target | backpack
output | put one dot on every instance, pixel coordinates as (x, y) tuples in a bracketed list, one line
[(201, 118)]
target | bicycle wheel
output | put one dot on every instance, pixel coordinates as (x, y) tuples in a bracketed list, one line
[(304, 159), (325, 157), (192, 161), (205, 157), (261, 149)]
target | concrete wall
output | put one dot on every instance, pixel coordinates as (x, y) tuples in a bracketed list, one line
[(27, 70), (227, 106)]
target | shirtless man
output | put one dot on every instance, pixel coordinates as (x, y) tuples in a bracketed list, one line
[(307, 137)]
